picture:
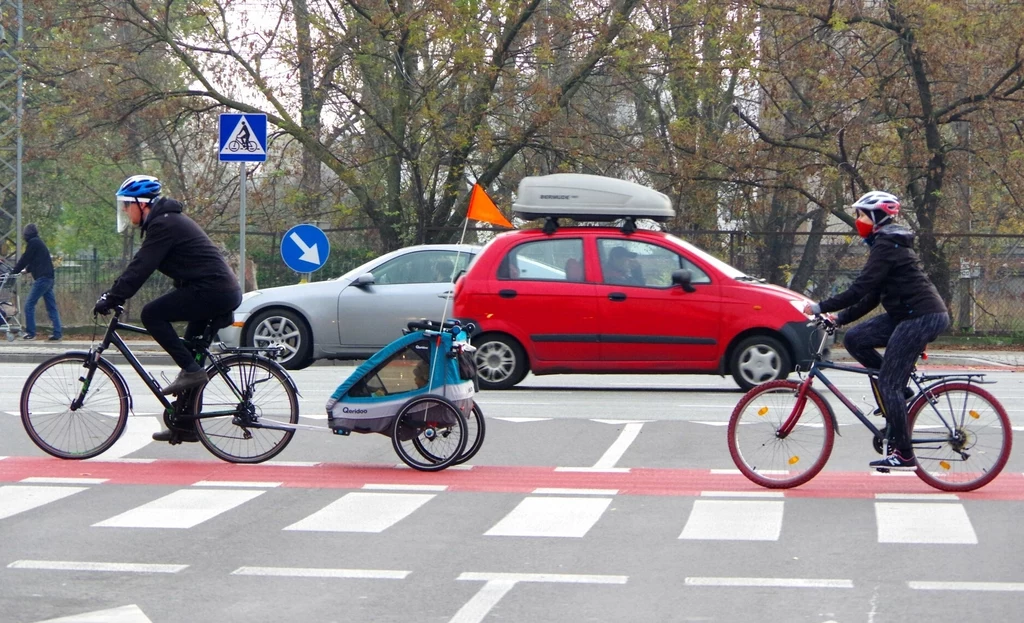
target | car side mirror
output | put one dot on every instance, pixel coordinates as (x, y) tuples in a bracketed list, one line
[(364, 280), (683, 277)]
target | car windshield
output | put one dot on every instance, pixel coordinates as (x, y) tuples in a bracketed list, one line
[(464, 256), (725, 269)]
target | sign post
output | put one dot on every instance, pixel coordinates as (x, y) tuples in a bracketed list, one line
[(243, 138)]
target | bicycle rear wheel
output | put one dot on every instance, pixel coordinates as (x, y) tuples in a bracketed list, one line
[(962, 437), (768, 459), (271, 400), (68, 433), (429, 433)]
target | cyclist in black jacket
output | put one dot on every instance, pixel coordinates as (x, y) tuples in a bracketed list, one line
[(204, 285), (914, 314)]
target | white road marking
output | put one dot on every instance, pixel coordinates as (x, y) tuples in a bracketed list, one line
[(363, 512), (917, 496), (400, 487), (1015, 587), (185, 508), (138, 434), (43, 480), (560, 491), (921, 522), (520, 420), (716, 520), (117, 567), (770, 582), (594, 470), (551, 517), (242, 484), (300, 572), (498, 584), (628, 435), (742, 494), (124, 614), (16, 499)]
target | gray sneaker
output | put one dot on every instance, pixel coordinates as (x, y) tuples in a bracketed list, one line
[(185, 380)]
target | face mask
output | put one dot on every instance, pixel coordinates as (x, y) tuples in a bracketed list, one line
[(864, 229)]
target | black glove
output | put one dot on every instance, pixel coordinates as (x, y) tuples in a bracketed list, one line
[(103, 305)]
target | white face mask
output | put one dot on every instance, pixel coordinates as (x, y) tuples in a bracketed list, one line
[(123, 204)]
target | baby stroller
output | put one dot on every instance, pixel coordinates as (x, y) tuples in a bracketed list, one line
[(9, 322), (418, 390)]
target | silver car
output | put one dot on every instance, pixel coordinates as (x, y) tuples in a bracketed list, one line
[(353, 316)]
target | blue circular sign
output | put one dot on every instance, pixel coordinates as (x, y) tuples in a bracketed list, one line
[(305, 248)]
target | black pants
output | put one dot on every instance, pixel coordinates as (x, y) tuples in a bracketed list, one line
[(197, 306), (903, 341)]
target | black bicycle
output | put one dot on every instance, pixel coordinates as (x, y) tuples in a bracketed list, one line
[(75, 405), (781, 433)]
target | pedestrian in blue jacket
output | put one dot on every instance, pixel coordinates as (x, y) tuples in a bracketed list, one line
[(37, 261)]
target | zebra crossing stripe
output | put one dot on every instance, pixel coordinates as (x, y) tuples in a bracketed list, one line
[(16, 499), (363, 512), (552, 517), (1014, 587), (184, 508), (734, 520), (922, 522), (769, 582), (497, 585)]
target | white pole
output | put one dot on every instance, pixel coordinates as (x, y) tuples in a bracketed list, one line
[(241, 226)]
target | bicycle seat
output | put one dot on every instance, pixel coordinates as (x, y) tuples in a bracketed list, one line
[(217, 323)]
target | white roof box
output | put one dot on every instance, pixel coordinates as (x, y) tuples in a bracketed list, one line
[(589, 198)]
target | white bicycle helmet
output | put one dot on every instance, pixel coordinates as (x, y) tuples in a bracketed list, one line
[(880, 206)]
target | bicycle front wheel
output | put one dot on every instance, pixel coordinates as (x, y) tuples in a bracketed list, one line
[(434, 428), (252, 391), (961, 436), (771, 460), (82, 432)]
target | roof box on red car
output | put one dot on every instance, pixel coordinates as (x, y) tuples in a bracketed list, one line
[(589, 198)]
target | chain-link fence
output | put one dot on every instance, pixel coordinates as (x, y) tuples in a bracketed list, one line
[(986, 289)]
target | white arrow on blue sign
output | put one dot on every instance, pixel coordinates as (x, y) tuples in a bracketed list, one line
[(305, 248), (243, 138)]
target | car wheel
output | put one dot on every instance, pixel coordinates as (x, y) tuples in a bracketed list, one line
[(500, 361), (759, 359), (281, 327)]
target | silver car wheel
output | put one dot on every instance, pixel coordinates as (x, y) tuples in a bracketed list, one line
[(759, 364), (495, 361), (278, 331)]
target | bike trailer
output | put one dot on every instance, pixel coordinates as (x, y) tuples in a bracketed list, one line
[(415, 364)]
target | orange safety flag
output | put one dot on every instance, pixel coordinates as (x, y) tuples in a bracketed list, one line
[(481, 208)]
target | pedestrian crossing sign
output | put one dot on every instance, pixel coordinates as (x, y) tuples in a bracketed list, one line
[(243, 137)]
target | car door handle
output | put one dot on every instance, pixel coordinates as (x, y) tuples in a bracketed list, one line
[(507, 294), (617, 296), (444, 295)]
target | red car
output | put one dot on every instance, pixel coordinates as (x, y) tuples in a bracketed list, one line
[(586, 299)]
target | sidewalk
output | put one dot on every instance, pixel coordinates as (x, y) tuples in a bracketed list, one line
[(20, 351)]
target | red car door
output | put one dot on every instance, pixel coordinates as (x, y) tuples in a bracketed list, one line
[(643, 316), (544, 299)]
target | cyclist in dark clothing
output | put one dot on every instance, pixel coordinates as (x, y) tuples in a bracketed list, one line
[(914, 314), (36, 260), (204, 285)]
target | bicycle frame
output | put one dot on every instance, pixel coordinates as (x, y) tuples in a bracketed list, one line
[(918, 379), (111, 337)]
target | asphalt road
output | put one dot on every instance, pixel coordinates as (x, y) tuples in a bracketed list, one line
[(594, 498)]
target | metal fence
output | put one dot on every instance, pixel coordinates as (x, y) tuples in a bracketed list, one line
[(987, 285)]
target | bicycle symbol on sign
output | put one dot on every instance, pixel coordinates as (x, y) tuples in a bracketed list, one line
[(243, 141)]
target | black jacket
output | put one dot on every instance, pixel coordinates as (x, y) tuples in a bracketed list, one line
[(36, 257), (176, 246), (892, 275)]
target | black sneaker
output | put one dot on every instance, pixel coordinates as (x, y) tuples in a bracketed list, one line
[(176, 436), (185, 380), (895, 462), (28, 337), (54, 338)]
